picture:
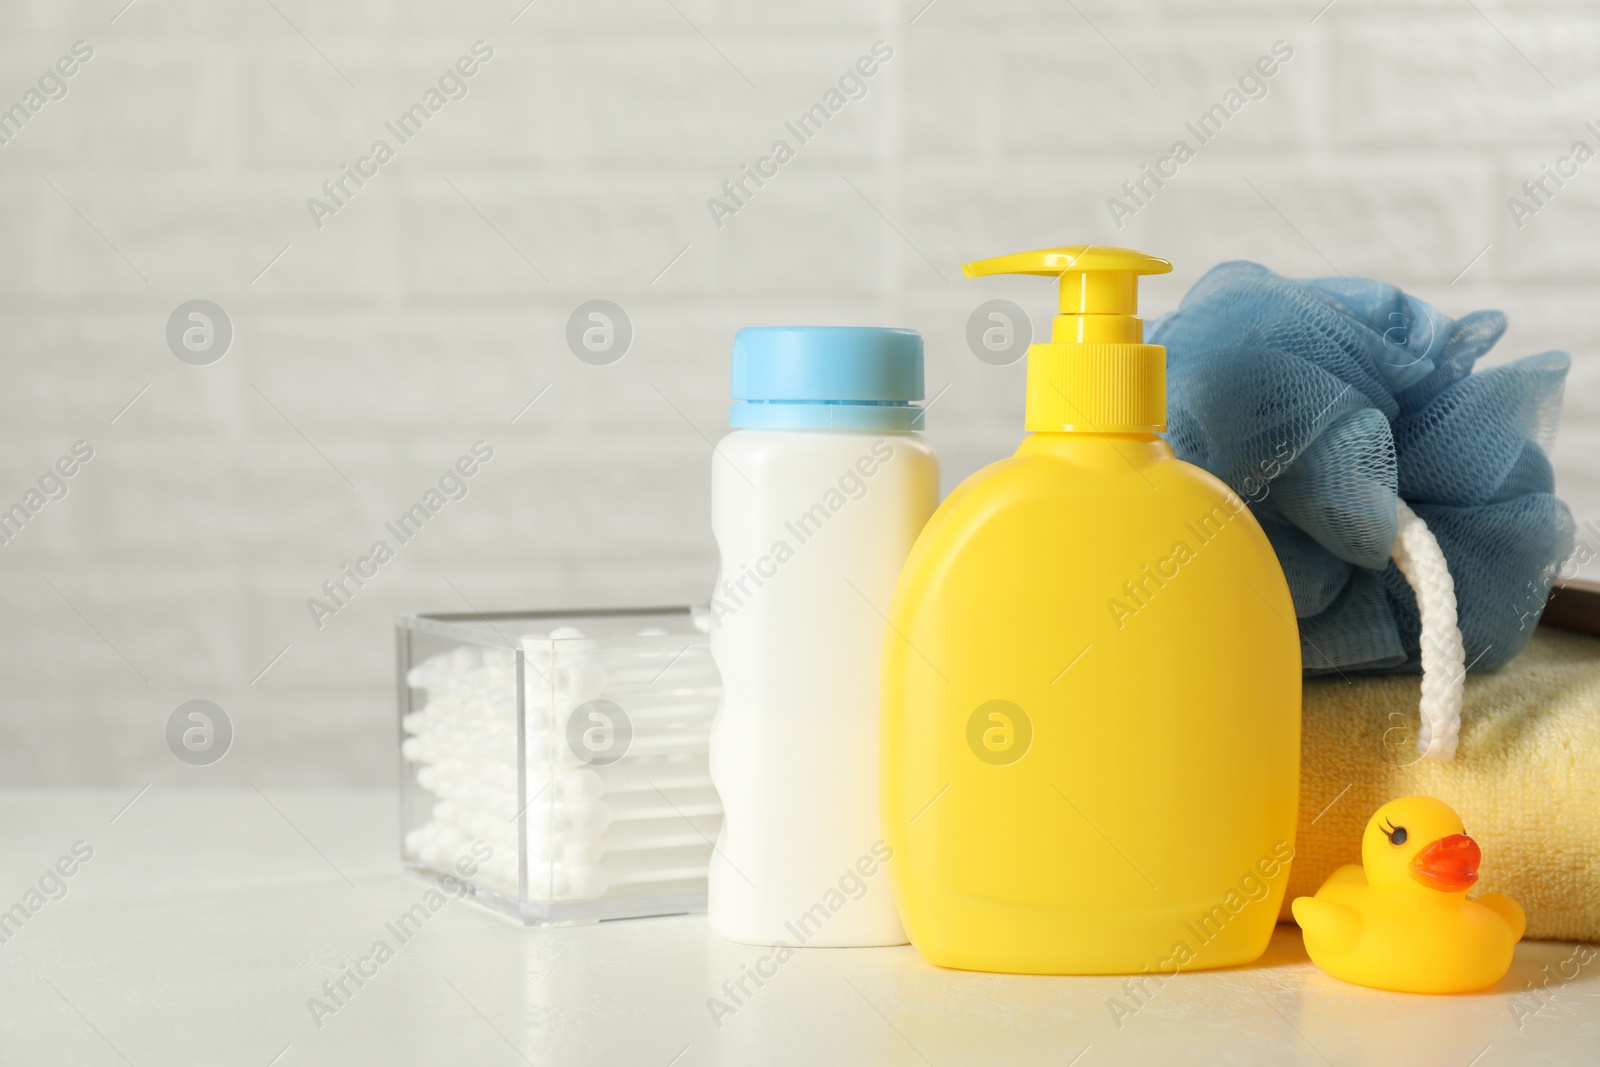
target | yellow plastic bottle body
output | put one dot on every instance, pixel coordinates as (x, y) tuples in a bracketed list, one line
[(1133, 805)]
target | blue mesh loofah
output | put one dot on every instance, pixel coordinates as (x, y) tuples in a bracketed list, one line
[(1321, 402)]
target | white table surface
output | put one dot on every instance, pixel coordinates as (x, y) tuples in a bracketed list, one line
[(206, 919)]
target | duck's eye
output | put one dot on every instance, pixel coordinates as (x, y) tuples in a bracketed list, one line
[(1396, 834)]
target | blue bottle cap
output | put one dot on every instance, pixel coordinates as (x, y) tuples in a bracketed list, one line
[(826, 378)]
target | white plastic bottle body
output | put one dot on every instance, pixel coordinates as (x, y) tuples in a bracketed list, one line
[(813, 528)]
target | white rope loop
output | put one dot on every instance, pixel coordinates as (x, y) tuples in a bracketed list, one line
[(1416, 552)]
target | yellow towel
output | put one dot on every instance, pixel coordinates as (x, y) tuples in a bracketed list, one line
[(1526, 779)]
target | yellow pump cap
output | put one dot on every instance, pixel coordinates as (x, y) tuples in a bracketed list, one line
[(1095, 374)]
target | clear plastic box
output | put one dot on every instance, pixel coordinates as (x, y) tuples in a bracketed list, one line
[(556, 762)]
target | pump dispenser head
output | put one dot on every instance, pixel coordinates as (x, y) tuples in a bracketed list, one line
[(1095, 374)]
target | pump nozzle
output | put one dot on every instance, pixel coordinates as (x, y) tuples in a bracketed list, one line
[(1099, 288), (1095, 373)]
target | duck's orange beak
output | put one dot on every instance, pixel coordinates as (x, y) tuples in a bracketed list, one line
[(1449, 865)]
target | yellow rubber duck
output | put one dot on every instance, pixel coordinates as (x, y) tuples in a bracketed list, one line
[(1401, 920)]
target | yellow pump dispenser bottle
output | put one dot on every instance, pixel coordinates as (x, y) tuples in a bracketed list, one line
[(1091, 679)]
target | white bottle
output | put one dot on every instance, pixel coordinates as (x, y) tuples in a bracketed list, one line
[(817, 498)]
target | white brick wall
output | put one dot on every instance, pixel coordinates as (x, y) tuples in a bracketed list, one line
[(412, 323)]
